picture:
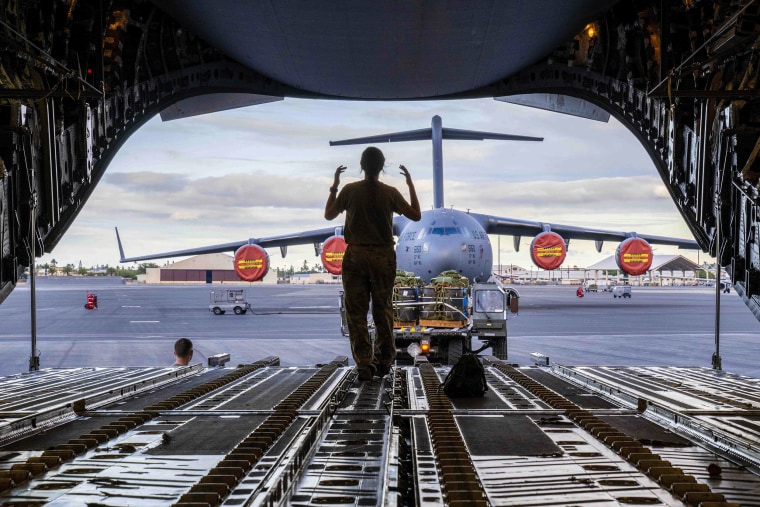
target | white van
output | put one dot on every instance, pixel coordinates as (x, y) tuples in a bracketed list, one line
[(621, 291)]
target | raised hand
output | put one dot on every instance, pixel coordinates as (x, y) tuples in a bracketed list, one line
[(406, 174), (338, 172)]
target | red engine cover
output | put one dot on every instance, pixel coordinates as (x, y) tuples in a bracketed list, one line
[(333, 250), (548, 250), (634, 256), (251, 263)]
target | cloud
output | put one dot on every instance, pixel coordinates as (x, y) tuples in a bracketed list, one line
[(265, 170)]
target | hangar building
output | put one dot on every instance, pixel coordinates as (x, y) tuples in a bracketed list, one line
[(665, 270), (210, 268)]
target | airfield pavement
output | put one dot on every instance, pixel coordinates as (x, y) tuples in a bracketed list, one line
[(136, 325)]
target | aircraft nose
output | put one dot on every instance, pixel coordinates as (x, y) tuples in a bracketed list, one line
[(442, 260)]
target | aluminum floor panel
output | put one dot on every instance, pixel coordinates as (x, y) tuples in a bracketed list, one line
[(345, 442)]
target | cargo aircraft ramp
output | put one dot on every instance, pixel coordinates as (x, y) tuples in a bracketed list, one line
[(265, 434)]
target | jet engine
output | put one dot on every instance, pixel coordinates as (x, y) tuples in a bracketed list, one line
[(634, 256), (251, 263), (333, 250), (548, 250)]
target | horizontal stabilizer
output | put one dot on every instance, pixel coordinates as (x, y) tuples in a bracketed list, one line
[(427, 134), (474, 135), (409, 135), (564, 104)]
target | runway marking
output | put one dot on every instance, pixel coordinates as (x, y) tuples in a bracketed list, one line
[(144, 321), (131, 306), (310, 307)]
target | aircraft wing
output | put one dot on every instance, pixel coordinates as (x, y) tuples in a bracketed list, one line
[(283, 241), (515, 227)]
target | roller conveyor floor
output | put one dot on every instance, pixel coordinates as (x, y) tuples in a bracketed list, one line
[(263, 434)]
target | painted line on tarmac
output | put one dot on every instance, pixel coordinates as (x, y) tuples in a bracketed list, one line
[(131, 306), (144, 321)]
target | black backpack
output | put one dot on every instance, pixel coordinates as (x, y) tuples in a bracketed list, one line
[(467, 378)]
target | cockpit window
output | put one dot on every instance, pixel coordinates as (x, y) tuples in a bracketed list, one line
[(489, 301), (445, 231)]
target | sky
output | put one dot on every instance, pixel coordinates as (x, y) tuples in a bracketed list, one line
[(265, 170)]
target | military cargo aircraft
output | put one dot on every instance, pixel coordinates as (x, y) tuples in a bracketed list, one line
[(444, 239)]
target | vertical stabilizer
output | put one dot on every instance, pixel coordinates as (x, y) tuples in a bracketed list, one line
[(436, 129), (437, 134)]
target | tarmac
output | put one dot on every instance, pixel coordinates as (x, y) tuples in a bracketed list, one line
[(136, 325)]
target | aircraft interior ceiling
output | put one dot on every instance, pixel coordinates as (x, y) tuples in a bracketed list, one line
[(77, 78)]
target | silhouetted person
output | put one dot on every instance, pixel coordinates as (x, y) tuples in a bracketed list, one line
[(369, 264), (183, 352), (490, 301)]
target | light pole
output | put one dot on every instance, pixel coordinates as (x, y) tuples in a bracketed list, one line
[(716, 360)]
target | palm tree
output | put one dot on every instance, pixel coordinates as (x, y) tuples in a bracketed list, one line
[(54, 263)]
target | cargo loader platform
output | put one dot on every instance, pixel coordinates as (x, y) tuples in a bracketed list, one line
[(263, 434)]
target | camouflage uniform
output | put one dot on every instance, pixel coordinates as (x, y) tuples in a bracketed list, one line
[(370, 271)]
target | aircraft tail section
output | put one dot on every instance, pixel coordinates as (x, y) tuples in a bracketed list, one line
[(427, 134), (436, 133)]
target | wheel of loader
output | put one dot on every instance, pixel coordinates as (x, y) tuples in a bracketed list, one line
[(499, 349), (218, 311), (452, 351), (238, 310)]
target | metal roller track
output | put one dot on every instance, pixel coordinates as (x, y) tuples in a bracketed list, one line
[(31, 403), (265, 435), (720, 410)]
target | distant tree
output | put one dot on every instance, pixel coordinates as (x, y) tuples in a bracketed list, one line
[(67, 269), (143, 268), (54, 263), (305, 267), (81, 270), (705, 274), (46, 267)]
